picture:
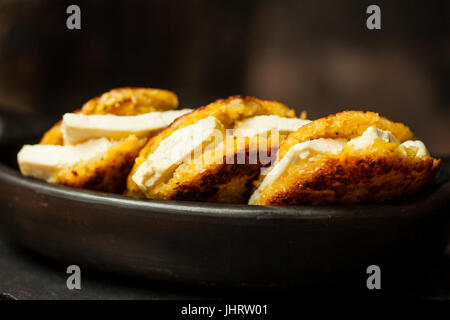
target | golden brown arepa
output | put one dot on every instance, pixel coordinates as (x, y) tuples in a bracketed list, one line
[(223, 170), (103, 157), (348, 157)]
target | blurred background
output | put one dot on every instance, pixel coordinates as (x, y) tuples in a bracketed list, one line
[(313, 55)]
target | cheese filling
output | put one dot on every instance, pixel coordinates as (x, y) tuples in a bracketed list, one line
[(261, 124), (44, 161), (298, 151), (77, 127), (369, 136), (417, 146), (175, 149), (303, 151)]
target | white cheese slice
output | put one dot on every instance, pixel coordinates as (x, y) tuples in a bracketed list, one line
[(261, 124), (77, 127), (175, 149), (370, 135), (303, 151), (44, 161), (418, 146)]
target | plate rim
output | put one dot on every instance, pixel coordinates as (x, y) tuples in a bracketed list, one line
[(438, 197)]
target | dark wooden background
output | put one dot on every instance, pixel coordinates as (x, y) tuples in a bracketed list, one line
[(316, 55)]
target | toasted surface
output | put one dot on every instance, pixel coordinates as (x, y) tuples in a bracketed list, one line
[(131, 101), (203, 179), (381, 173), (345, 125), (121, 101), (378, 172), (223, 174), (53, 136), (107, 172)]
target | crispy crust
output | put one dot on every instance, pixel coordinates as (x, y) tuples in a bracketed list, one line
[(206, 181), (346, 125), (226, 182), (108, 172), (202, 180), (53, 136), (120, 101), (355, 179), (131, 101)]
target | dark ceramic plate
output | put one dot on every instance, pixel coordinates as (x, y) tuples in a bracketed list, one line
[(225, 245)]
